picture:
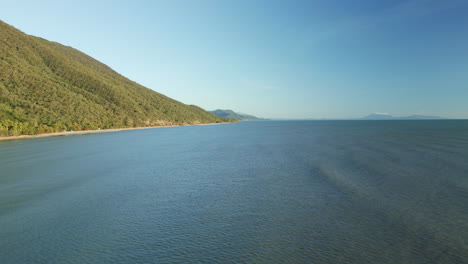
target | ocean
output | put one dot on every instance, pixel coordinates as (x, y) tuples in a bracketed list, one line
[(252, 192)]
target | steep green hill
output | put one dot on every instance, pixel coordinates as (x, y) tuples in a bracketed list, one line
[(48, 87)]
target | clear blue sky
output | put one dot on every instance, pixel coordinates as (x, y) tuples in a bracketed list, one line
[(279, 59)]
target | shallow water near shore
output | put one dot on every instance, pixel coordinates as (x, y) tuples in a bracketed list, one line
[(250, 192)]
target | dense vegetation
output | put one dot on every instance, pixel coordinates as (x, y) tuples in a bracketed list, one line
[(233, 115), (48, 87)]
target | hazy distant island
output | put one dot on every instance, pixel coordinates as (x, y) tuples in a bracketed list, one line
[(235, 115), (386, 116), (46, 87)]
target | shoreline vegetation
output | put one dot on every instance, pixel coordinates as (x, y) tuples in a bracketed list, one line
[(46, 87), (94, 131)]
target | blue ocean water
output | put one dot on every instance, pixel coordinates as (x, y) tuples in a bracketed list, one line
[(251, 192)]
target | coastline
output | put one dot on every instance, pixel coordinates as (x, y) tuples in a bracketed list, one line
[(67, 133)]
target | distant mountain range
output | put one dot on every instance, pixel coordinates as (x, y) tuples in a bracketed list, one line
[(385, 116), (233, 115)]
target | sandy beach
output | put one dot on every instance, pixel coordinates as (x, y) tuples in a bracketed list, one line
[(67, 133)]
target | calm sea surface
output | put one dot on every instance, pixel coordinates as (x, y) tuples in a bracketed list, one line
[(252, 192)]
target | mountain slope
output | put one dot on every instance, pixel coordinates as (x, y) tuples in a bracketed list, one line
[(233, 115), (48, 87)]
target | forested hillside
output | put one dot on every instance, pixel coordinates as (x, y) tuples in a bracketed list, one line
[(47, 87)]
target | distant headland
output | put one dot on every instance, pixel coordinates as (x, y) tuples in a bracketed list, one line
[(235, 115), (386, 116)]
